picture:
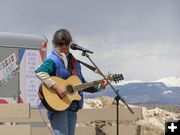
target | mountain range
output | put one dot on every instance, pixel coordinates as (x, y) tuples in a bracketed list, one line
[(163, 91)]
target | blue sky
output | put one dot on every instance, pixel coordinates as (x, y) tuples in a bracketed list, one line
[(138, 38)]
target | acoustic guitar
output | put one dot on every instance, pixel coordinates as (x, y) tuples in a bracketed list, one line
[(72, 85)]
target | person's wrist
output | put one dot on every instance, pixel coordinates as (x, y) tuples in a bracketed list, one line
[(54, 87)]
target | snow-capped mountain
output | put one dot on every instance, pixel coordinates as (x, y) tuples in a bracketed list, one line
[(156, 92), (170, 81), (124, 82)]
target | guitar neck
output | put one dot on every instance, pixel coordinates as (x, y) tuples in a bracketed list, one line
[(87, 85)]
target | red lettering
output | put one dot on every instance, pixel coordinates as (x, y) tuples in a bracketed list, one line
[(12, 58)]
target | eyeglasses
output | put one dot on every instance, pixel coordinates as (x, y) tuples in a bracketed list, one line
[(61, 44)]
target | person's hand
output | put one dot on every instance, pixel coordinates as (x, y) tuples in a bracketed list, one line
[(60, 91), (103, 85)]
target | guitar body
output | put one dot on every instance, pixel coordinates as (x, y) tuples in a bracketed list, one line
[(51, 99), (72, 85)]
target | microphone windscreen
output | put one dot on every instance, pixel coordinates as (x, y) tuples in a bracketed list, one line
[(73, 46)]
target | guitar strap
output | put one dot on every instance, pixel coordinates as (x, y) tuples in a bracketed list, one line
[(74, 62), (59, 55)]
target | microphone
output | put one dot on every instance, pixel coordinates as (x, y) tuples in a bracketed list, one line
[(74, 46)]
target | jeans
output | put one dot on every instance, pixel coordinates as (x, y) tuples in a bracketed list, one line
[(63, 123)]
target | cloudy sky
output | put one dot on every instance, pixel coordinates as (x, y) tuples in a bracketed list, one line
[(138, 38)]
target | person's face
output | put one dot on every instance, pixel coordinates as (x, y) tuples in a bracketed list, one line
[(63, 47)]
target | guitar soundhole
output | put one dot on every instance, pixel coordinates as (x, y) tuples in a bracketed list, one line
[(70, 89)]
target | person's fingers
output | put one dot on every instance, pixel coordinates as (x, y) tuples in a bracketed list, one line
[(64, 94)]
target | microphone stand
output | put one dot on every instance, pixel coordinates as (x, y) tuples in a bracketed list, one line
[(118, 96)]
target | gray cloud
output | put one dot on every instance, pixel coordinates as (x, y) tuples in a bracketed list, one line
[(139, 38), (138, 60)]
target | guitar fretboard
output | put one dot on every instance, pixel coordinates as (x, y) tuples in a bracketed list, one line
[(87, 85)]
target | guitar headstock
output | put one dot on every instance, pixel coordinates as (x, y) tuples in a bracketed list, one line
[(115, 77)]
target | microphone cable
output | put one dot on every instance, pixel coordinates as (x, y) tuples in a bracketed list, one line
[(88, 66), (46, 123)]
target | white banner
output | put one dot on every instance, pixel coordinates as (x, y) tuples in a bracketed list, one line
[(32, 82)]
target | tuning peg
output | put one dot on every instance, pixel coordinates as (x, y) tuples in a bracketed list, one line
[(109, 73)]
